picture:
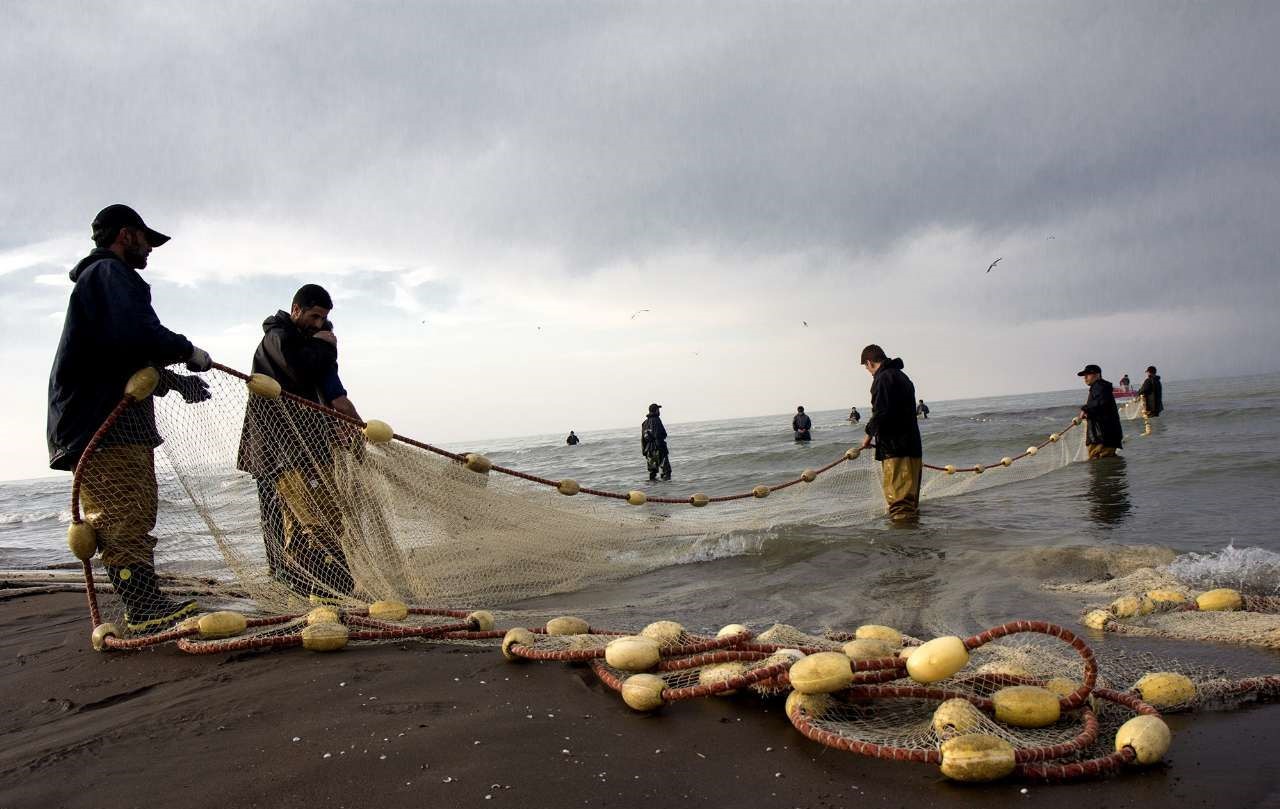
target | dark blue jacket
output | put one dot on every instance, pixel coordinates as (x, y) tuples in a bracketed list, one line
[(110, 332), (1104, 417), (893, 413)]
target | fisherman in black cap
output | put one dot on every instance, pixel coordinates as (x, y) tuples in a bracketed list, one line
[(1105, 435), (111, 332), (653, 443), (1152, 393), (572, 440), (896, 433)]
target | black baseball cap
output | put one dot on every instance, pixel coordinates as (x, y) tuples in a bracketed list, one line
[(654, 407), (1090, 369), (1151, 369), (114, 217)]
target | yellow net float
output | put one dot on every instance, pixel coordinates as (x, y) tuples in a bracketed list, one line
[(482, 620), (388, 610), (1165, 689), (956, 717), (821, 673), (568, 487), (477, 463), (808, 476), (977, 469), (82, 540), (1026, 706), (632, 653), (666, 633), (852, 453), (878, 632), (263, 386), (760, 492), (100, 634), (1032, 450), (1097, 619), (324, 637), (731, 629), (1129, 606), (378, 432), (323, 615), (643, 692), (1006, 461), (518, 636), (950, 469), (698, 500), (1053, 438), (567, 625), (223, 624), (1147, 735), (1223, 599), (142, 384), (977, 757), (1162, 597), (869, 649), (937, 659), (636, 498)]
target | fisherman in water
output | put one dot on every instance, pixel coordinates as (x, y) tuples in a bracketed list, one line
[(653, 443), (893, 427), (801, 424), (1105, 435)]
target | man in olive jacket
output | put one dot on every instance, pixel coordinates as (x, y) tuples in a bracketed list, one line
[(893, 427)]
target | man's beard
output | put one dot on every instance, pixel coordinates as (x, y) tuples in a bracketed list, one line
[(135, 258)]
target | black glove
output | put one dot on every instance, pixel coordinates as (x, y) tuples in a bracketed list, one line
[(199, 361), (193, 388)]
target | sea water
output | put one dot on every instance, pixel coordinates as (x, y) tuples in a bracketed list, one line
[(1202, 486)]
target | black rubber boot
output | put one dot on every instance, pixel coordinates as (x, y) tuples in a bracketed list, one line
[(146, 609)]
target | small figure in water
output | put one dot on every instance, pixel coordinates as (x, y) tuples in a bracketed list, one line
[(896, 433), (653, 443), (922, 410), (1124, 384), (1152, 393), (801, 424), (572, 439), (854, 416), (1105, 435)]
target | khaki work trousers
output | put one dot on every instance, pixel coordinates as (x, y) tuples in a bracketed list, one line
[(902, 486), (1099, 451), (313, 527), (118, 498)]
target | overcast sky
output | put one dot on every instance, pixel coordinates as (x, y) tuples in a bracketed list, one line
[(491, 190)]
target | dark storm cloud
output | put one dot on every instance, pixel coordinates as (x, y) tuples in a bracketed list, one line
[(1141, 136)]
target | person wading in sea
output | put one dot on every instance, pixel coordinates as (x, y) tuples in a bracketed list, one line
[(1105, 435), (801, 424), (893, 427)]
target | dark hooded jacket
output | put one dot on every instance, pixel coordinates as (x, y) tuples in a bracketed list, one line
[(1152, 393), (109, 333), (893, 413), (1104, 416), (305, 367), (652, 428)]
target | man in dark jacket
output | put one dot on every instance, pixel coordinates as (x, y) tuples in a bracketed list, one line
[(801, 424), (897, 436), (1104, 433), (288, 448), (1152, 393), (572, 440), (109, 333), (922, 410), (653, 443)]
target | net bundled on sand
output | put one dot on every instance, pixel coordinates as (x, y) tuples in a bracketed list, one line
[(276, 503)]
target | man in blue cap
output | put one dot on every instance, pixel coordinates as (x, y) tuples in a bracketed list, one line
[(110, 332)]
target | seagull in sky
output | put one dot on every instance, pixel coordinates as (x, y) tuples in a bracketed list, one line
[(805, 323), (994, 263), (636, 312), (1050, 236)]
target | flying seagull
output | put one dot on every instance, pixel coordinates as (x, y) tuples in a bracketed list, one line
[(994, 263), (805, 323), (1050, 236), (636, 312)]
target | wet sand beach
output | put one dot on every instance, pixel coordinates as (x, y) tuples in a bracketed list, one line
[(414, 724)]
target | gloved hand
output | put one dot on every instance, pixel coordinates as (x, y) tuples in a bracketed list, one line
[(193, 388), (199, 361)]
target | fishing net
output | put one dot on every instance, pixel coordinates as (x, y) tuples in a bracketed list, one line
[(275, 501)]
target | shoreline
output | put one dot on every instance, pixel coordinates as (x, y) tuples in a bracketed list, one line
[(414, 724)]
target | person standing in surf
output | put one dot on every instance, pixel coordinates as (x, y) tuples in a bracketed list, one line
[(1105, 435), (1152, 393), (653, 443), (897, 436), (801, 424)]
